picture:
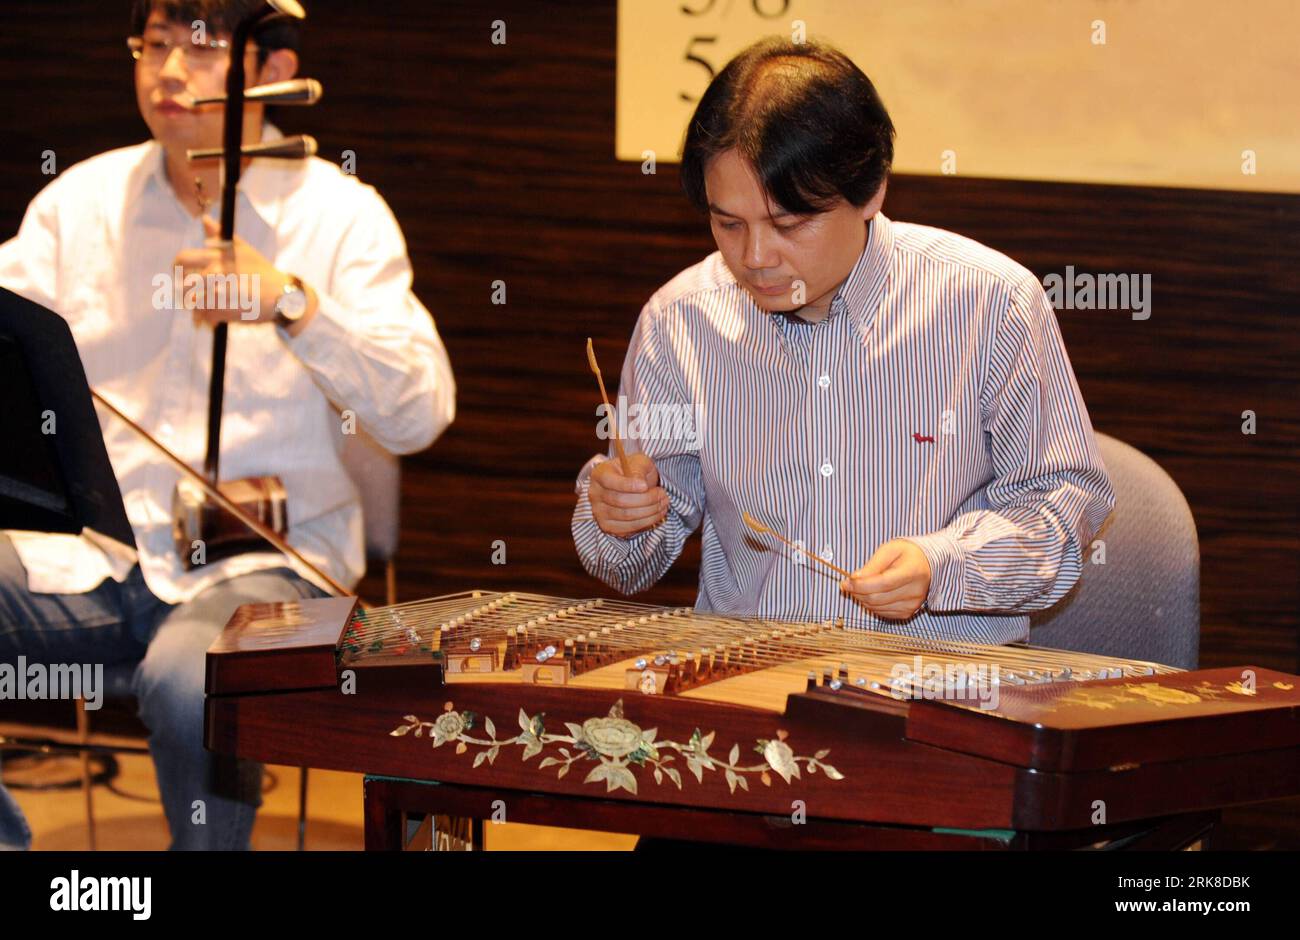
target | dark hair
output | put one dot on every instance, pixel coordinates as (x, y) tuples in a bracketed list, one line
[(803, 116), (221, 16)]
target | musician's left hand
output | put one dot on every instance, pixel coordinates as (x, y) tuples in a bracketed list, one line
[(894, 582), (253, 299)]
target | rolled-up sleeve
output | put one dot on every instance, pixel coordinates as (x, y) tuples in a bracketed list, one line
[(1050, 492)]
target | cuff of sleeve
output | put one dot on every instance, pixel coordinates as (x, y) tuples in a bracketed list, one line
[(610, 549), (584, 475), (321, 340), (946, 560)]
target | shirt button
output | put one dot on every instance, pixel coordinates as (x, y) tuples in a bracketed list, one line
[(827, 469), (824, 382), (827, 554)]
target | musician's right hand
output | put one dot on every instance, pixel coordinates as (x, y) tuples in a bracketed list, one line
[(624, 505)]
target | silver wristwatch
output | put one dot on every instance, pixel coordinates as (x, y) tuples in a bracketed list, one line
[(291, 304)]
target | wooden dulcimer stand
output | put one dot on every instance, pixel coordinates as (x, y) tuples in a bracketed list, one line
[(674, 723)]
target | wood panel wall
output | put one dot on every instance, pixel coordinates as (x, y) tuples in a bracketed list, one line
[(498, 161)]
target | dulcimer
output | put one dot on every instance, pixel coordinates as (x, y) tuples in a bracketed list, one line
[(618, 701)]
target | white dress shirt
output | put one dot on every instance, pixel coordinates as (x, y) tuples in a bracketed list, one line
[(935, 402), (90, 247)]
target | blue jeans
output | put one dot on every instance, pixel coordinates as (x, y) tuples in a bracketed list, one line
[(210, 800)]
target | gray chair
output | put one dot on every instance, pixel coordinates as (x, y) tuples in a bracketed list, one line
[(1144, 602), (378, 476)]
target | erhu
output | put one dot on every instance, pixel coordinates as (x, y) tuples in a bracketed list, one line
[(197, 518)]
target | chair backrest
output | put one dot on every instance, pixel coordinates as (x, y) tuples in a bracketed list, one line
[(378, 476), (1144, 602)]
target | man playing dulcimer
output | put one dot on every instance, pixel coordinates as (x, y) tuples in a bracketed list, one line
[(868, 389)]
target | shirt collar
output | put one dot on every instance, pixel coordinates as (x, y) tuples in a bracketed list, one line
[(863, 290)]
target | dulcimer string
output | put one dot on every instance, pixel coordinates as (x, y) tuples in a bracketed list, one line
[(788, 642), (569, 619), (532, 617), (565, 619), (631, 629)]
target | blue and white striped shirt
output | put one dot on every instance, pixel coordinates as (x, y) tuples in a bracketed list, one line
[(934, 402)]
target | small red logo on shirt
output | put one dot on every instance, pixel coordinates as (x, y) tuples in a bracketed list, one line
[(922, 438)]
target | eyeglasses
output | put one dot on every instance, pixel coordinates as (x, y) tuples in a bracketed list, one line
[(155, 50)]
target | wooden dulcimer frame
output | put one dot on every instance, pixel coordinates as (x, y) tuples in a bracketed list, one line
[(1083, 761)]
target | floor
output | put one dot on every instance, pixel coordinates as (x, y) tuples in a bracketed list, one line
[(128, 815)]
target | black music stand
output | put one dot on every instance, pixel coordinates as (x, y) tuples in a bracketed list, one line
[(55, 475)]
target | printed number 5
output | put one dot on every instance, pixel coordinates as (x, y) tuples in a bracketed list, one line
[(694, 58)]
